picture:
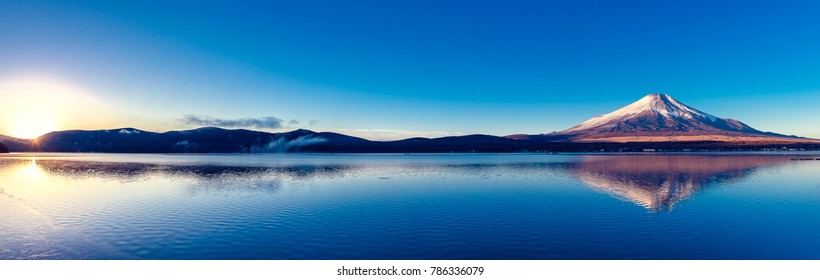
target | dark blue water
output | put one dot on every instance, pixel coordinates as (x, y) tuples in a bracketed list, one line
[(454, 206)]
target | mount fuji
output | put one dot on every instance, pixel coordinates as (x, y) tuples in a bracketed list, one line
[(661, 118)]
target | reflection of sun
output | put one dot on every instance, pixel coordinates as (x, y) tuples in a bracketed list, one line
[(32, 125), (32, 171)]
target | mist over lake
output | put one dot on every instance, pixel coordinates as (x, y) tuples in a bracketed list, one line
[(417, 206)]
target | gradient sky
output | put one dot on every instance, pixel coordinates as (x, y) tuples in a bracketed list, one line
[(396, 69)]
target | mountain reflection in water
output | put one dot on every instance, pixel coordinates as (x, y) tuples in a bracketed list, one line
[(207, 178), (659, 182), (656, 182)]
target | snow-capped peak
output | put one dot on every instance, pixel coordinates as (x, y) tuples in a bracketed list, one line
[(654, 103)]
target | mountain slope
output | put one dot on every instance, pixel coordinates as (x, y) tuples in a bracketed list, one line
[(16, 144), (201, 140), (218, 140), (661, 118)]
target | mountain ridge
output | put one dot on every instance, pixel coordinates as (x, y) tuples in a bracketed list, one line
[(656, 121), (218, 140)]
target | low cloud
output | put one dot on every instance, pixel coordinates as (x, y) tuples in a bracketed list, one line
[(395, 134), (281, 145), (260, 123)]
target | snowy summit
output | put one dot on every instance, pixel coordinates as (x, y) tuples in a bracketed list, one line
[(659, 117), (654, 104)]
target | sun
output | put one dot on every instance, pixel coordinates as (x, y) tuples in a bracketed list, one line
[(33, 106), (31, 125)]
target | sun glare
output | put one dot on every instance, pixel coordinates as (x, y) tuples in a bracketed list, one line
[(32, 107), (32, 170), (32, 125)]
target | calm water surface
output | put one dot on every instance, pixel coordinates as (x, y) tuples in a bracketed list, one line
[(453, 206)]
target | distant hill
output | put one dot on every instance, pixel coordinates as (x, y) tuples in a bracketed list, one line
[(201, 140), (16, 144), (3, 149), (218, 140)]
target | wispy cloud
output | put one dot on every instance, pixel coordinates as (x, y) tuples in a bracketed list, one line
[(259, 123), (281, 145)]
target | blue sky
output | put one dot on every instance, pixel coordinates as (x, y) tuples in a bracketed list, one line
[(396, 69)]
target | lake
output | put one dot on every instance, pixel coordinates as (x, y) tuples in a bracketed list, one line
[(419, 206)]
